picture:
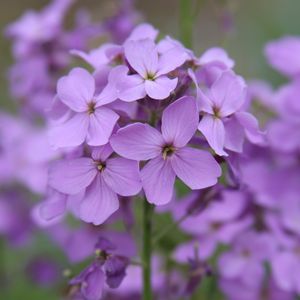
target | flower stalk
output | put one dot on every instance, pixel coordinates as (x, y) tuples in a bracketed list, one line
[(147, 250), (186, 22)]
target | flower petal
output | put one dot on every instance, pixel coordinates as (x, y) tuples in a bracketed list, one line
[(131, 88), (158, 181), (282, 55), (96, 58), (99, 203), (142, 56), (250, 124), (216, 56), (102, 153), (171, 60), (282, 268), (72, 176), (122, 176), (179, 121), (231, 265), (110, 92), (143, 31), (228, 93), (76, 89), (213, 130), (196, 168), (203, 102), (92, 287), (235, 135), (161, 87), (102, 123), (70, 133), (54, 206), (137, 141)]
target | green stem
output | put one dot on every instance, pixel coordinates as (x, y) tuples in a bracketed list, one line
[(2, 264), (147, 250), (186, 20)]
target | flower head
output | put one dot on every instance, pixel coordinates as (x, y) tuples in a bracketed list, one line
[(97, 180), (167, 151), (89, 119)]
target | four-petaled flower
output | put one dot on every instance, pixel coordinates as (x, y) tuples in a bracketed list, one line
[(87, 119), (151, 71), (97, 180), (224, 123), (167, 151)]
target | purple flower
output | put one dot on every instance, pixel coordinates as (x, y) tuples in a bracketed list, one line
[(283, 55), (90, 120), (151, 68), (107, 267), (236, 290), (98, 180), (223, 122), (25, 154), (40, 26), (198, 271), (91, 281), (221, 222), (167, 152), (115, 270), (245, 261), (43, 271), (216, 56)]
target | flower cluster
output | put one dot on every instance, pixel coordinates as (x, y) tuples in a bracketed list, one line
[(142, 120)]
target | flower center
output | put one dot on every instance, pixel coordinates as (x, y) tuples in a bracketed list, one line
[(216, 111), (150, 76), (91, 107), (167, 151), (101, 166), (215, 226), (246, 253)]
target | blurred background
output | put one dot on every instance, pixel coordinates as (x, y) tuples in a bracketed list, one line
[(242, 27)]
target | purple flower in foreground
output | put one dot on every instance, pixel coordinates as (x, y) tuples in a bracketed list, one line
[(89, 120), (167, 152), (152, 69), (97, 180)]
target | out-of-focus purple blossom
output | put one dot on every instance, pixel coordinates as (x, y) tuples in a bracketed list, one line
[(41, 43), (245, 261), (108, 269), (43, 271), (282, 55), (220, 223), (25, 154), (15, 223), (123, 22)]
